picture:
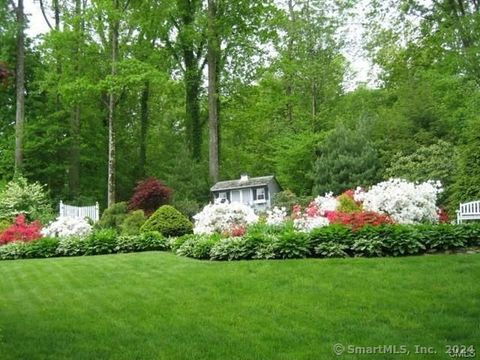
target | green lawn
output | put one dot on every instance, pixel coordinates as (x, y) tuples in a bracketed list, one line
[(160, 306)]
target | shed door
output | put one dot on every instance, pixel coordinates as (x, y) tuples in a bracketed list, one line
[(235, 195), (246, 196)]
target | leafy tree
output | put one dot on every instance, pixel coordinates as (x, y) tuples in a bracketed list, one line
[(434, 162)]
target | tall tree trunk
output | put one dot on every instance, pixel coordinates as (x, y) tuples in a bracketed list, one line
[(192, 104), (213, 93), (111, 112), (144, 121), (192, 79), (20, 87), (289, 85), (56, 10), (74, 168)]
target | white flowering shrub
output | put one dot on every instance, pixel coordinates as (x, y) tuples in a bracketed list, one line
[(276, 216), (65, 226), (403, 201), (328, 202), (223, 217), (23, 197), (308, 223)]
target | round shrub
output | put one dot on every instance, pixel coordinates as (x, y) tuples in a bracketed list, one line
[(113, 216), (133, 222), (149, 195), (169, 222)]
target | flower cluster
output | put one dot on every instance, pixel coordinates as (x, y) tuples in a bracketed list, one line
[(276, 216), (309, 219), (223, 218), (65, 226), (21, 231), (328, 202), (404, 202)]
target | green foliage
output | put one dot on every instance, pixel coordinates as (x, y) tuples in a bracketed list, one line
[(189, 208), (368, 247), (72, 246), (169, 222), (291, 245), (346, 159), (331, 250), (4, 224), (22, 197), (175, 243), (467, 184), (347, 204), (113, 217), (198, 246), (101, 242), (12, 251), (41, 248), (132, 223), (233, 248), (293, 159), (433, 162), (148, 241), (330, 234), (288, 199)]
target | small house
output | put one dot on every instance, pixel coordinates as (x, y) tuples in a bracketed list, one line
[(256, 192)]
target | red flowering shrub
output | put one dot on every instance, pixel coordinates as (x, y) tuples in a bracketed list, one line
[(237, 230), (357, 220), (21, 231), (443, 216), (149, 195)]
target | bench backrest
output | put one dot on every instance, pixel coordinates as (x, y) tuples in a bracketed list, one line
[(91, 212), (470, 208)]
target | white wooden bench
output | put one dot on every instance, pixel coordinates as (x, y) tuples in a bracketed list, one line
[(468, 211)]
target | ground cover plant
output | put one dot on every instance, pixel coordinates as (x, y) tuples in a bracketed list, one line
[(159, 306)]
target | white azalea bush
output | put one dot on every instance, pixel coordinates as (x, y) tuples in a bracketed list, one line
[(310, 218), (308, 223), (223, 217), (65, 226), (328, 202), (277, 216), (405, 202)]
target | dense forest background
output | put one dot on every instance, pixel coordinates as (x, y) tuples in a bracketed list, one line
[(192, 91)]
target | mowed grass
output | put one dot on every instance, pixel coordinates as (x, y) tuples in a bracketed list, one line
[(159, 306)]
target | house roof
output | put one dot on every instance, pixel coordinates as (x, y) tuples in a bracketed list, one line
[(238, 184)]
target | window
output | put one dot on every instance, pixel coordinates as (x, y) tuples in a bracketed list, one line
[(223, 197), (260, 194)]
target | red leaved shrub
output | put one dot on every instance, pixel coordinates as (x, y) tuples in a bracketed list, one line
[(21, 231), (357, 220), (149, 195)]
